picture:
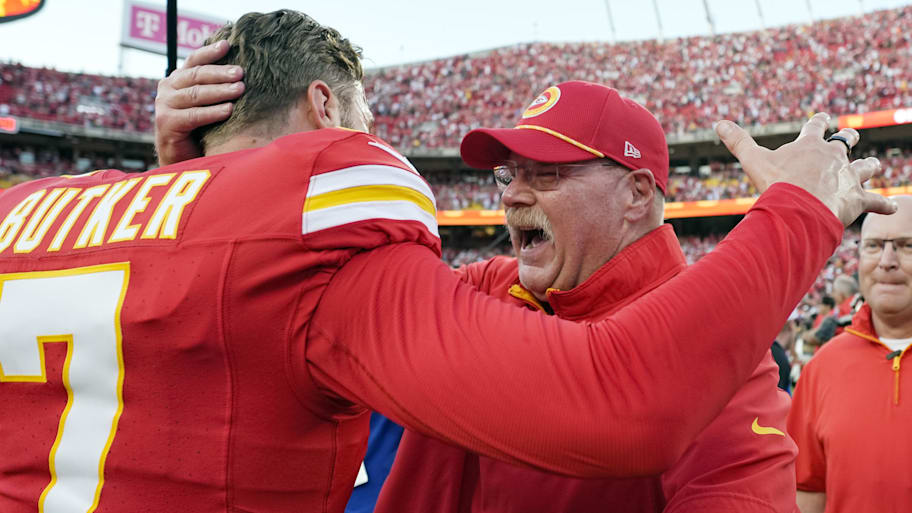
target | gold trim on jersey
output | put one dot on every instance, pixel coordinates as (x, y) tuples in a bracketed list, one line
[(361, 193), (370, 193)]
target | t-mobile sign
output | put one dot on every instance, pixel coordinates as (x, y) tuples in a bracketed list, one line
[(145, 27)]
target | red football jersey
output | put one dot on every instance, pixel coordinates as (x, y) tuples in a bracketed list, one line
[(146, 322)]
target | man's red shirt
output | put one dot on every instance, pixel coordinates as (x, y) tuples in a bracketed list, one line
[(850, 418), (729, 467)]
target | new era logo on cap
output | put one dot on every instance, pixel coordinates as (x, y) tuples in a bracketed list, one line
[(631, 150)]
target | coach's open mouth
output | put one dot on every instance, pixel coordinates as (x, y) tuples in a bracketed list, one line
[(530, 238)]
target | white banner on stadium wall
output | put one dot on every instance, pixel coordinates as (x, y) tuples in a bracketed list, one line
[(145, 28)]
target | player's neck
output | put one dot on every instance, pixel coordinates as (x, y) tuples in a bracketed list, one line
[(238, 143), (260, 134)]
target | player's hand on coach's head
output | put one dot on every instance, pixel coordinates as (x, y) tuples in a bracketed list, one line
[(195, 95), (820, 167)]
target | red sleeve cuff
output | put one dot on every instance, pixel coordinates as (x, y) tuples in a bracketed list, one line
[(785, 194)]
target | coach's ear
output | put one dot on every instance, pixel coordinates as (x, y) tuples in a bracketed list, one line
[(322, 106), (640, 198)]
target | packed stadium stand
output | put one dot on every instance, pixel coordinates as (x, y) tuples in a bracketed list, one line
[(122, 103), (756, 78)]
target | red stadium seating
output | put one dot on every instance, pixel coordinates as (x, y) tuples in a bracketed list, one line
[(839, 66), (122, 103)]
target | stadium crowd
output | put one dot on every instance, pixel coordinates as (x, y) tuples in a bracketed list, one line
[(22, 163), (469, 190), (838, 66), (122, 103), (464, 191)]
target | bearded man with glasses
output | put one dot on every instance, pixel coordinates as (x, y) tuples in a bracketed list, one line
[(853, 405)]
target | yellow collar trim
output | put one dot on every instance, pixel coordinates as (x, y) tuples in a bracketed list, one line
[(864, 336), (520, 293), (875, 340), (564, 138)]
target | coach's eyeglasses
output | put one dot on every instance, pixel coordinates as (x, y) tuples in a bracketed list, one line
[(874, 247), (542, 177)]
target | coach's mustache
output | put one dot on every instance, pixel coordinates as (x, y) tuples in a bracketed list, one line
[(529, 218)]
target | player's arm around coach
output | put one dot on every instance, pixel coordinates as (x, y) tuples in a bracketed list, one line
[(441, 360)]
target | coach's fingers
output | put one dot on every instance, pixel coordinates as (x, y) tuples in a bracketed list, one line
[(866, 168), (185, 121), (203, 95), (207, 54), (850, 134), (816, 126), (738, 142), (878, 204), (851, 137), (206, 74)]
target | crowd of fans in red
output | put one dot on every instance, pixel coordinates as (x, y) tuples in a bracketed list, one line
[(780, 74), (838, 66), (22, 163), (122, 103)]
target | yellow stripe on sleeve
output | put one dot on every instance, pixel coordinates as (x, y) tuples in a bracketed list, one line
[(367, 193)]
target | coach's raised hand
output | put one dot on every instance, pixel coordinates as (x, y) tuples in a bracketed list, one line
[(822, 168), (195, 95)]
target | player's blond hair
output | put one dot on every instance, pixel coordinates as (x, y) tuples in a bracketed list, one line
[(281, 53)]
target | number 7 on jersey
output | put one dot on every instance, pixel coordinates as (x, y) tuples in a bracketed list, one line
[(80, 308)]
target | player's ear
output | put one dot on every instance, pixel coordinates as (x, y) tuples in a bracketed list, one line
[(322, 106)]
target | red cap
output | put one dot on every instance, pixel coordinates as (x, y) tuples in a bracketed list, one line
[(572, 122)]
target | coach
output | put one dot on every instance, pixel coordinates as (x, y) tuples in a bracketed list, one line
[(583, 194)]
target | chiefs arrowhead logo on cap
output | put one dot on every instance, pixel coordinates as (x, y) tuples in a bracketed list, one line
[(545, 101)]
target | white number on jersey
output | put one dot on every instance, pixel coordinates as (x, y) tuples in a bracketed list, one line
[(80, 308)]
